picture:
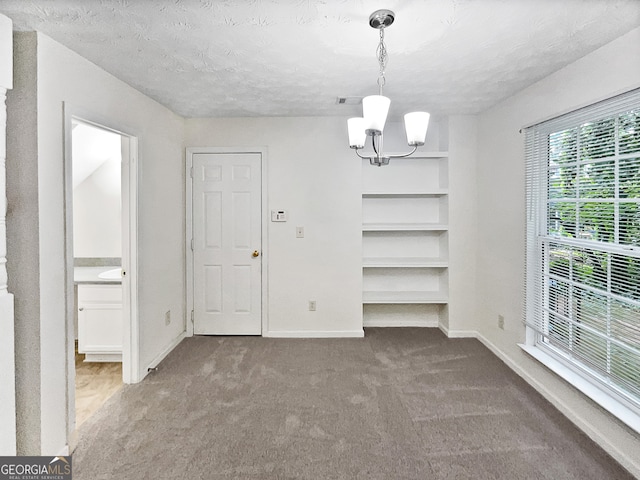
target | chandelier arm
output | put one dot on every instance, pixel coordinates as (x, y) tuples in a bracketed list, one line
[(404, 154), (358, 153)]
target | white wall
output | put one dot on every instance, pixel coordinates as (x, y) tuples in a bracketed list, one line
[(463, 217), (610, 70), (97, 213), (314, 175), (7, 356), (50, 76)]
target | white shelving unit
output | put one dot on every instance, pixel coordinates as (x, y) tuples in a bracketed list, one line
[(404, 262), (404, 297), (403, 227), (405, 241)]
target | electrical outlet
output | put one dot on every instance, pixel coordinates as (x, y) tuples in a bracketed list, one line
[(167, 317), (299, 232), (501, 322), (312, 305)]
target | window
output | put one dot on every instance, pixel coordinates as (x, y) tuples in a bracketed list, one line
[(583, 242)]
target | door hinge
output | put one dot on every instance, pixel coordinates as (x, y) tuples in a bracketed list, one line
[(192, 317), (191, 172), (192, 244)]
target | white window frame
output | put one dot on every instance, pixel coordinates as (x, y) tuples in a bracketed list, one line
[(626, 408)]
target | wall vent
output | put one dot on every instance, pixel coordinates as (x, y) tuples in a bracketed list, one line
[(348, 100)]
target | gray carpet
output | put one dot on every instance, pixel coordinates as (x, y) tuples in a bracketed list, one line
[(399, 404)]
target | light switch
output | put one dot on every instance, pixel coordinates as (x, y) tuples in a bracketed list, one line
[(299, 232)]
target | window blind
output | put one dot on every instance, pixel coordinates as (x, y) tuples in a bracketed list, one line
[(582, 285)]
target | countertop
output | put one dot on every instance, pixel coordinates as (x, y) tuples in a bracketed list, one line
[(90, 275)]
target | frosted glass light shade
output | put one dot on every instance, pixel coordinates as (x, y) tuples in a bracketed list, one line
[(357, 135), (374, 111), (416, 124)]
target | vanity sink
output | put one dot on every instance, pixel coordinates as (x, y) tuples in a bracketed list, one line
[(113, 274)]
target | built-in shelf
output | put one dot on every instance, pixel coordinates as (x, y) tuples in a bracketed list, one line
[(404, 262), (405, 297), (404, 227), (438, 192), (405, 236)]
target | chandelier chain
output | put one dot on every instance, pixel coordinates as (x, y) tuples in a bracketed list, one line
[(382, 55)]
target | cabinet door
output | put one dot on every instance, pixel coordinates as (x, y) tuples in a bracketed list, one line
[(100, 320)]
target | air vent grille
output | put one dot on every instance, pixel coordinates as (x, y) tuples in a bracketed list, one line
[(348, 100)]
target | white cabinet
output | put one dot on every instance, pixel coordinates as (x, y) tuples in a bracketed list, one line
[(405, 242), (100, 322)]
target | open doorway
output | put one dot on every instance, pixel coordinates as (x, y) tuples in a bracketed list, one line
[(101, 220), (97, 265)]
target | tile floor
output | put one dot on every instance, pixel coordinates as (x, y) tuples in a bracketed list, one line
[(95, 383)]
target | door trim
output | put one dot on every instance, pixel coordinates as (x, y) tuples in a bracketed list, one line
[(131, 342), (190, 151)]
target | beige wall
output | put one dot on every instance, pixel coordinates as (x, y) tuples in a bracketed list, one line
[(608, 71)]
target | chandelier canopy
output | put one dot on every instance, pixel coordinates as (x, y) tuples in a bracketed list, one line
[(376, 107)]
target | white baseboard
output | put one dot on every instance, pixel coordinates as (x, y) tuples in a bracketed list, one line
[(551, 396), (167, 350), (457, 333), (400, 323), (617, 407), (315, 334)]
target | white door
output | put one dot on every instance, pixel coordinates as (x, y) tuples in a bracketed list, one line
[(226, 244)]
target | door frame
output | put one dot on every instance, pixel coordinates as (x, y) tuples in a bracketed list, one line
[(129, 198), (190, 151)]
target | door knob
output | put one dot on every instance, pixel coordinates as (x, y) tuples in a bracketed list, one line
[(255, 253)]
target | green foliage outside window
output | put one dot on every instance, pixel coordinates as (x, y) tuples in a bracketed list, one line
[(594, 196)]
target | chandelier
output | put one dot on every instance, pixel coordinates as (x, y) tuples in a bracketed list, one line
[(376, 107)]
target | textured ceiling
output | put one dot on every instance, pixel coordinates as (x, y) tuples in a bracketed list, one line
[(220, 58)]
